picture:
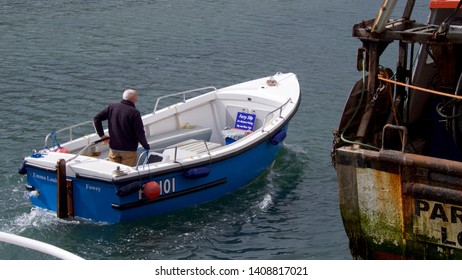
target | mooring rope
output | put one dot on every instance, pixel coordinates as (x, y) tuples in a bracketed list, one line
[(420, 88)]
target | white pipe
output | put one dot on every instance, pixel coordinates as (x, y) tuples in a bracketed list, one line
[(38, 246)]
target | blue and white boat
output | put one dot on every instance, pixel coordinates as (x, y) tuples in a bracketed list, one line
[(209, 144)]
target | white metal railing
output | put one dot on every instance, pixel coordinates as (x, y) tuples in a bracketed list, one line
[(70, 129), (270, 113), (182, 93), (38, 246), (146, 154)]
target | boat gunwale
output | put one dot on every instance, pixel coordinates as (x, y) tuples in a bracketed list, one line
[(206, 160), (440, 165), (198, 162)]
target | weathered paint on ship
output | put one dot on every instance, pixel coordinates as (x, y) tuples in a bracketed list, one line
[(397, 205), (398, 162)]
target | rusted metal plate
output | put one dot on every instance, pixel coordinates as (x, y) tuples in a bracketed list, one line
[(437, 223), (398, 205), (380, 204), (402, 199)]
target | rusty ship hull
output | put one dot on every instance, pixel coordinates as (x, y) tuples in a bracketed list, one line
[(397, 148)]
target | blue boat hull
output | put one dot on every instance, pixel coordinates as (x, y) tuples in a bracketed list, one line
[(97, 200)]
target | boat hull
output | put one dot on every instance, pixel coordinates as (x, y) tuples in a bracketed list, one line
[(397, 149), (400, 206), (213, 142), (97, 200)]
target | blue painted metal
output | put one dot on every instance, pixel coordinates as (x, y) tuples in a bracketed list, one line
[(279, 137), (98, 201), (197, 172)]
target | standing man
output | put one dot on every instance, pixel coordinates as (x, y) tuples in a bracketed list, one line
[(125, 128)]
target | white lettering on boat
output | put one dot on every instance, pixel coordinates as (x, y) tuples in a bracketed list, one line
[(44, 178), (441, 223), (167, 186), (92, 188)]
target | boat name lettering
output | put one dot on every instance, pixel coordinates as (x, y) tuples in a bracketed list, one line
[(167, 186), (441, 223), (92, 188), (43, 177), (438, 211)]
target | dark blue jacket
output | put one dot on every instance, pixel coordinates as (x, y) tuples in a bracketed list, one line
[(124, 124)]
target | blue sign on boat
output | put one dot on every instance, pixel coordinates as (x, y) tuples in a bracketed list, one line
[(245, 121)]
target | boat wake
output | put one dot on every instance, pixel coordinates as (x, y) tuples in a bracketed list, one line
[(266, 202), (230, 226), (37, 218), (287, 171), (17, 219)]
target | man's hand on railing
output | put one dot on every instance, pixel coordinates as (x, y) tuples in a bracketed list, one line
[(105, 139)]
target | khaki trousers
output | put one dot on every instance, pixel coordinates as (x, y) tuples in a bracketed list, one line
[(123, 157)]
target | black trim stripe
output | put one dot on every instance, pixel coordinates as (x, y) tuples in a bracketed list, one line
[(170, 196)]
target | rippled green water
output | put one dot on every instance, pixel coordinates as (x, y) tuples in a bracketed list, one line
[(63, 60)]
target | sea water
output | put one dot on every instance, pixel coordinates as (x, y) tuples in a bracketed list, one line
[(64, 60)]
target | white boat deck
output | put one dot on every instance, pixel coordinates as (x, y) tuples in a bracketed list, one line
[(188, 149)]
